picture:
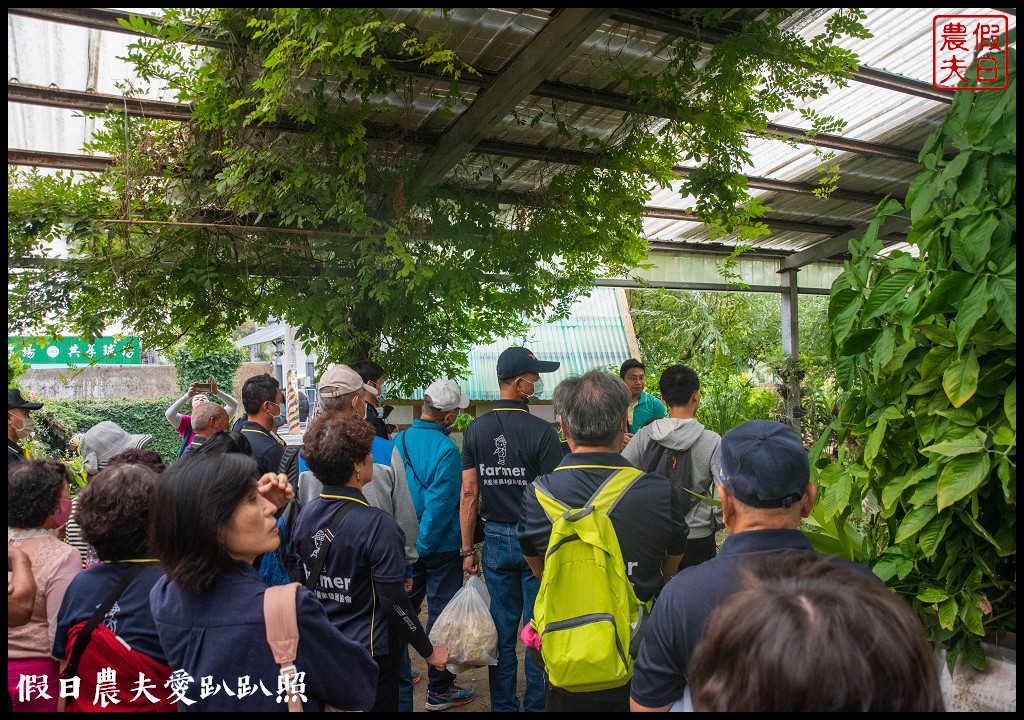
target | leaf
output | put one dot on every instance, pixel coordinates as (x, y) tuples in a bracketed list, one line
[(970, 613), (932, 595), (982, 532), (971, 443), (960, 380), (1010, 404), (933, 533), (962, 476), (970, 246), (935, 362), (875, 441), (914, 521), (1004, 298), (972, 309), (947, 613), (836, 497), (887, 293)]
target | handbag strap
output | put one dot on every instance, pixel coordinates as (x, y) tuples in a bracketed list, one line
[(332, 532), (279, 616), (82, 641)]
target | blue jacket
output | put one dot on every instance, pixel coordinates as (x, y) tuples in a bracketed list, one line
[(433, 469)]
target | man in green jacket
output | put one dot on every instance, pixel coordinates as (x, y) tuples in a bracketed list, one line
[(643, 407)]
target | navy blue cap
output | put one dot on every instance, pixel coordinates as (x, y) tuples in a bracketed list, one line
[(16, 400), (763, 463), (516, 361)]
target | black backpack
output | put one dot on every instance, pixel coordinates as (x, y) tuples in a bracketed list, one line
[(286, 554), (672, 464)]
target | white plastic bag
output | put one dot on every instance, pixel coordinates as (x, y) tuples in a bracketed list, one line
[(466, 627)]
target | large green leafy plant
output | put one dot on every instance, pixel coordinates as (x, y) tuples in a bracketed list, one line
[(926, 343), (283, 197)]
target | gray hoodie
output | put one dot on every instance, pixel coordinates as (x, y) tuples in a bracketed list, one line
[(676, 434), (388, 491)]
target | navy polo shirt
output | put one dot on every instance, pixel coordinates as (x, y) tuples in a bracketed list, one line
[(197, 442), (221, 634), (508, 447), (129, 618), (369, 548), (677, 623), (648, 519), (266, 448), (14, 452)]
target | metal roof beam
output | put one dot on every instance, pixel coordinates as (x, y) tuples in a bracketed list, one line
[(841, 243), (533, 63), (709, 287)]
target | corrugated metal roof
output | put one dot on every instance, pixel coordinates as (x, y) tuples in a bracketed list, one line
[(264, 334), (594, 335), (71, 57)]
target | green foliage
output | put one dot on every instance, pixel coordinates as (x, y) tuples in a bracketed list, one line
[(60, 420), (462, 422), (409, 273), (218, 359), (730, 398), (926, 346), (16, 367)]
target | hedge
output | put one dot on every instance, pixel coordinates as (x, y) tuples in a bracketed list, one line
[(58, 420)]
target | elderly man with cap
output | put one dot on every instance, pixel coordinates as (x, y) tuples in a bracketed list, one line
[(434, 470), (763, 477), (19, 423), (342, 390), (502, 452)]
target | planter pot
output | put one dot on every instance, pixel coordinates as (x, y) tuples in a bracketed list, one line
[(993, 690)]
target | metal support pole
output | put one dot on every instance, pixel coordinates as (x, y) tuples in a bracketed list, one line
[(793, 411)]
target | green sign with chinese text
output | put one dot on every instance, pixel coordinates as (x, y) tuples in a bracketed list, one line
[(75, 351)]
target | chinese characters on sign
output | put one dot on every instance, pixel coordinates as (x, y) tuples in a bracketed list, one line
[(956, 39), (75, 351), (108, 694)]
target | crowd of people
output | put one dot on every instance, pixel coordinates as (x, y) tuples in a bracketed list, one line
[(155, 588)]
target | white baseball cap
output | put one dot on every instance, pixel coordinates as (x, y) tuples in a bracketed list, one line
[(446, 395)]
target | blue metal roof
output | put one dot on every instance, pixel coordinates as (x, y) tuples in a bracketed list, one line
[(594, 335)]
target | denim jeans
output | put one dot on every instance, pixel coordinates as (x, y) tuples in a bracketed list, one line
[(513, 590), (436, 577)]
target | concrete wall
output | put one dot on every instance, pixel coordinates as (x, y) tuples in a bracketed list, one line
[(115, 382)]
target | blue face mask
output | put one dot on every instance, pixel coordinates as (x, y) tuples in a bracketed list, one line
[(381, 397)]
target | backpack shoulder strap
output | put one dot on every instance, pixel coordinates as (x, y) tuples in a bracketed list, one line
[(282, 625), (552, 506), (611, 491), (101, 611)]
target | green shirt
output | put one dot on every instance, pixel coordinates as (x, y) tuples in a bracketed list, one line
[(647, 408)]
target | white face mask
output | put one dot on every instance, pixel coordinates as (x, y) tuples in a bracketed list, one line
[(538, 388)]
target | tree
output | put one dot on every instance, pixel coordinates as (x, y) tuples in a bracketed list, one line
[(278, 199), (926, 343)]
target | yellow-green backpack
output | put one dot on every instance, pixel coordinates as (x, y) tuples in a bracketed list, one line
[(586, 606)]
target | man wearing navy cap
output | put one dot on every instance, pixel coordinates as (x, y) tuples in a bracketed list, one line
[(19, 423), (763, 476), (503, 451)]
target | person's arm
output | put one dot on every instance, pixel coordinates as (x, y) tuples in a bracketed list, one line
[(395, 602), (467, 520), (230, 404), (635, 446), (440, 500), (404, 510), (172, 414), (634, 706), (21, 588), (670, 566), (536, 563)]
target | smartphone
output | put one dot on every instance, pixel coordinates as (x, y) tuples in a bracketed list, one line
[(204, 388)]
